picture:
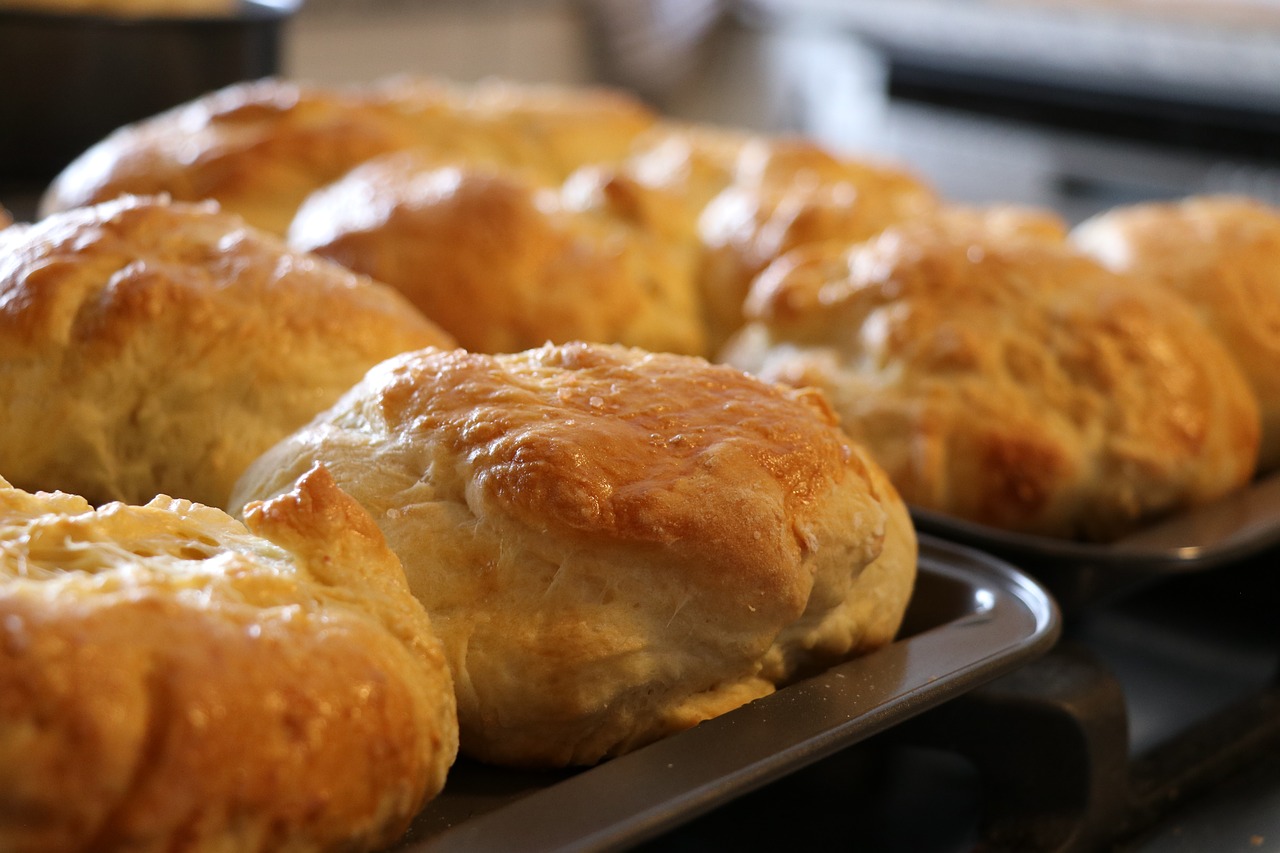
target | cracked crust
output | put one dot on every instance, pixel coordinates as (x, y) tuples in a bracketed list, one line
[(1222, 254), (612, 544), (151, 347), (1002, 377), (167, 677)]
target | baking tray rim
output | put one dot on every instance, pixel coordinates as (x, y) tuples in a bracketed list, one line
[(1010, 620)]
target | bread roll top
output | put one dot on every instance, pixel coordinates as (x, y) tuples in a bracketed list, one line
[(613, 544), (1003, 377), (170, 678)]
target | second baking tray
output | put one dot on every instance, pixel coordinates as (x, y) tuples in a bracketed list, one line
[(972, 618), (1081, 574)]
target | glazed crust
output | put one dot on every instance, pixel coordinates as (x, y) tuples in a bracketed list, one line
[(158, 348), (560, 214), (505, 264), (612, 544), (172, 680), (787, 193), (1004, 378), (260, 148), (1222, 254)]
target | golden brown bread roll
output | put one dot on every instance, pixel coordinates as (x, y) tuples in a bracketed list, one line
[(1000, 376), (149, 347), (1223, 255), (504, 264), (694, 162), (540, 129), (260, 148), (171, 680), (785, 194), (613, 545), (256, 148)]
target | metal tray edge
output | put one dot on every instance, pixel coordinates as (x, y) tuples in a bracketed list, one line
[(636, 797)]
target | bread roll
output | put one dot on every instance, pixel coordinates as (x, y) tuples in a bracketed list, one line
[(613, 545), (172, 680), (539, 129), (1001, 377), (150, 348), (256, 148), (260, 148), (1223, 255), (789, 193), (504, 264)]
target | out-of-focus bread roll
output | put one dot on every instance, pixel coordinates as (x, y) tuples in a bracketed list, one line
[(155, 348), (785, 194), (613, 545), (171, 680), (260, 148), (539, 129), (256, 148), (694, 162), (1002, 377), (1223, 255), (504, 264)]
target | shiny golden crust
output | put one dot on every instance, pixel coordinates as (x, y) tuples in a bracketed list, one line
[(1223, 255), (149, 348), (543, 130), (260, 148), (695, 162), (1007, 379), (785, 194), (256, 148), (613, 545), (171, 680), (504, 264)]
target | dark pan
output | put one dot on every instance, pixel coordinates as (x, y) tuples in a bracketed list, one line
[(67, 80), (1081, 574)]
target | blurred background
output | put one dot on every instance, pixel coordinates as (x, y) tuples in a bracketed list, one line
[(1078, 105), (1075, 104)]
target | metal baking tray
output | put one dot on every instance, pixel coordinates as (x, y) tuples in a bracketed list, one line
[(67, 79), (1080, 574), (972, 618)]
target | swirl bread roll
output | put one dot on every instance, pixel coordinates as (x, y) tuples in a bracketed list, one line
[(1004, 378), (260, 148), (172, 680), (612, 545), (504, 264), (149, 347), (1222, 254)]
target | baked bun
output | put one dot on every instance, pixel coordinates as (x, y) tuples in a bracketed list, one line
[(256, 148), (260, 148), (1222, 254), (1002, 377), (505, 264), (172, 680), (613, 545), (150, 348), (785, 194)]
